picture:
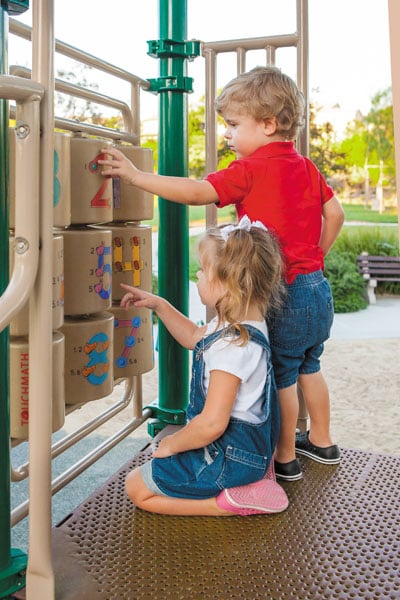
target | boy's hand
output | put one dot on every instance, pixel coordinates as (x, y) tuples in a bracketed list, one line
[(118, 166)]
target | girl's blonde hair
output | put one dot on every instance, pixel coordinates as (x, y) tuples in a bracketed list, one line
[(263, 93), (250, 266)]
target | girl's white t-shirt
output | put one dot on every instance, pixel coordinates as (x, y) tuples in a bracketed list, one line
[(248, 363)]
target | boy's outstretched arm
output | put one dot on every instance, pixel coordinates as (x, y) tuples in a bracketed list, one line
[(332, 221), (180, 327), (178, 189)]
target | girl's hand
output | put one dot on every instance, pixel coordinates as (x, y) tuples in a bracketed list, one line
[(137, 297), (118, 166), (164, 448)]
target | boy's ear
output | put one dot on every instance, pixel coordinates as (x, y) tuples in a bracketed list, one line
[(270, 126)]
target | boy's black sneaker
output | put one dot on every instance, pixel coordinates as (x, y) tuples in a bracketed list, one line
[(290, 471), (327, 456)]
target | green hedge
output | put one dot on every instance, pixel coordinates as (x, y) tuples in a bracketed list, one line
[(348, 287), (381, 241)]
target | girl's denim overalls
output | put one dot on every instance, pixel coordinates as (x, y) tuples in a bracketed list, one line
[(240, 456)]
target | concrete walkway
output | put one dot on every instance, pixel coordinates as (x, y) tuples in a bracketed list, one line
[(380, 320)]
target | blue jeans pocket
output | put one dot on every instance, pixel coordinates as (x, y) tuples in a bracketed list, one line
[(291, 328), (241, 467)]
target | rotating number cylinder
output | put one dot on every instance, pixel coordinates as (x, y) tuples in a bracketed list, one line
[(88, 357), (19, 385), (133, 341), (61, 179), (19, 326), (91, 193), (131, 257), (87, 270), (130, 202)]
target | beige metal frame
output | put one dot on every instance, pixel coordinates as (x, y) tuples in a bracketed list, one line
[(28, 96), (133, 388), (128, 135), (394, 20), (29, 264), (137, 83)]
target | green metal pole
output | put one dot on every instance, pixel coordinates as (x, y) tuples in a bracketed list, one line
[(4, 336), (12, 561), (173, 252)]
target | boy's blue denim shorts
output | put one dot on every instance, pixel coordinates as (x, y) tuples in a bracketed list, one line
[(298, 330)]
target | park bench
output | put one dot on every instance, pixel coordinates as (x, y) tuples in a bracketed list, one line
[(378, 268)]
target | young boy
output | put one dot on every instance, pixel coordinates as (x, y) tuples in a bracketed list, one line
[(271, 182)]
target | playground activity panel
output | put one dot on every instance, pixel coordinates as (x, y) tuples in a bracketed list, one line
[(99, 241)]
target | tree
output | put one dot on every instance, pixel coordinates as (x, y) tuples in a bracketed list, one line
[(369, 142), (380, 131), (70, 106), (324, 150), (196, 140), (197, 144)]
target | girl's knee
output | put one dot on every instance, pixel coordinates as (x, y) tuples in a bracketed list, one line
[(136, 488), (133, 485)]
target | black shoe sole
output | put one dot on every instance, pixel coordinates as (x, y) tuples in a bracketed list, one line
[(323, 461), (289, 477), (282, 471)]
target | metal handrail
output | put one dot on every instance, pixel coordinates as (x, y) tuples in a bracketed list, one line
[(28, 95), (86, 94), (90, 129), (21, 511), (137, 83), (260, 43), (22, 471), (25, 32)]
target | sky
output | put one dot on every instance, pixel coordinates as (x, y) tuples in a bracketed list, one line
[(349, 50)]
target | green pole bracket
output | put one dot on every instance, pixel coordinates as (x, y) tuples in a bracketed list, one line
[(12, 579), (163, 416), (167, 48), (15, 7), (171, 83)]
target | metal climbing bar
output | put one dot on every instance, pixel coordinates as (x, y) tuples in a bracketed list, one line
[(26, 248), (136, 83), (14, 293)]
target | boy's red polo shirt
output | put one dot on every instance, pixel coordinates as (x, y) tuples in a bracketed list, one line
[(285, 191)]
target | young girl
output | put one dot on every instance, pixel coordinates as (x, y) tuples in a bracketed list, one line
[(233, 415)]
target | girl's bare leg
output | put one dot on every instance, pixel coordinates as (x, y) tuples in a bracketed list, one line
[(142, 497)]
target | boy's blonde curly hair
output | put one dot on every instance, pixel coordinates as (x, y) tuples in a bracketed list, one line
[(263, 93)]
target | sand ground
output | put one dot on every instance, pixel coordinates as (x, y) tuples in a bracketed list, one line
[(364, 382), (363, 377)]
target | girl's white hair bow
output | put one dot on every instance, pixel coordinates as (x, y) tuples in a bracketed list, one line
[(244, 223)]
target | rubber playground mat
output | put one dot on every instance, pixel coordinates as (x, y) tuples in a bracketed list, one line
[(339, 539)]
